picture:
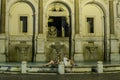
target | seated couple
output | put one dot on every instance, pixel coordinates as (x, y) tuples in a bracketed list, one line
[(66, 61)]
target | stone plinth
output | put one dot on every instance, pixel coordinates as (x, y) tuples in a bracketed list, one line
[(78, 57), (100, 67), (24, 67), (61, 69), (115, 57), (40, 57)]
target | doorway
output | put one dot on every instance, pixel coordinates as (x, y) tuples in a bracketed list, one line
[(61, 25)]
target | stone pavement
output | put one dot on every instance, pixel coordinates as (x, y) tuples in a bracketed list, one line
[(93, 76)]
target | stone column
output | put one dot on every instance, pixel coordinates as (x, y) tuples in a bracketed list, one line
[(78, 56), (111, 21), (24, 67), (3, 8), (111, 11), (0, 13), (40, 19), (77, 16), (61, 69), (100, 67), (114, 44), (115, 55), (40, 56)]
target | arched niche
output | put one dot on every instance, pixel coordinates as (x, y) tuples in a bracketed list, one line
[(20, 19), (58, 31), (106, 27), (94, 14), (21, 31), (58, 17), (93, 26)]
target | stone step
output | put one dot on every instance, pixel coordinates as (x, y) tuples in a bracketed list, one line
[(45, 69), (74, 69)]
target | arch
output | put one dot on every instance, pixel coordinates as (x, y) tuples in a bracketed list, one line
[(64, 15), (18, 10), (101, 5), (65, 6), (25, 1), (59, 9), (92, 20), (28, 19), (61, 2), (94, 12), (105, 10), (30, 3)]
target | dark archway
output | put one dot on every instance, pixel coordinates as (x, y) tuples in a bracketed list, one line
[(61, 25)]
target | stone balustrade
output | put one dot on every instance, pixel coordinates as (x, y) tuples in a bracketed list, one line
[(26, 68)]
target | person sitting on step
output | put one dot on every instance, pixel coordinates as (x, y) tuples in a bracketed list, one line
[(53, 63), (68, 62)]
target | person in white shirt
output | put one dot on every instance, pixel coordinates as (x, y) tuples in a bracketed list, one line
[(68, 62)]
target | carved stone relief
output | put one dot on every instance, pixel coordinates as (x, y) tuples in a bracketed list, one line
[(92, 52), (56, 51), (23, 52), (52, 31), (20, 52)]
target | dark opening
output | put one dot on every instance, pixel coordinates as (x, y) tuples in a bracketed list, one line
[(24, 23), (90, 22), (60, 24)]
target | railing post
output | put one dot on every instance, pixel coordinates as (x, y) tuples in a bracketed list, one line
[(61, 68), (100, 67), (24, 67)]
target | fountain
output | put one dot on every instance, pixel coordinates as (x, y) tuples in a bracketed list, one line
[(58, 47)]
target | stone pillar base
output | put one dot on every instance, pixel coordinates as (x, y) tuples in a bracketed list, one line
[(115, 57), (40, 57), (2, 58), (78, 57), (100, 67), (24, 67), (61, 69)]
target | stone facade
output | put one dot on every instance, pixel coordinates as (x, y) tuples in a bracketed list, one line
[(40, 30)]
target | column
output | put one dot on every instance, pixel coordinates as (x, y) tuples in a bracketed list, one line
[(0, 13), (111, 12), (61, 68), (3, 8), (77, 16), (40, 19), (24, 67), (100, 67)]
